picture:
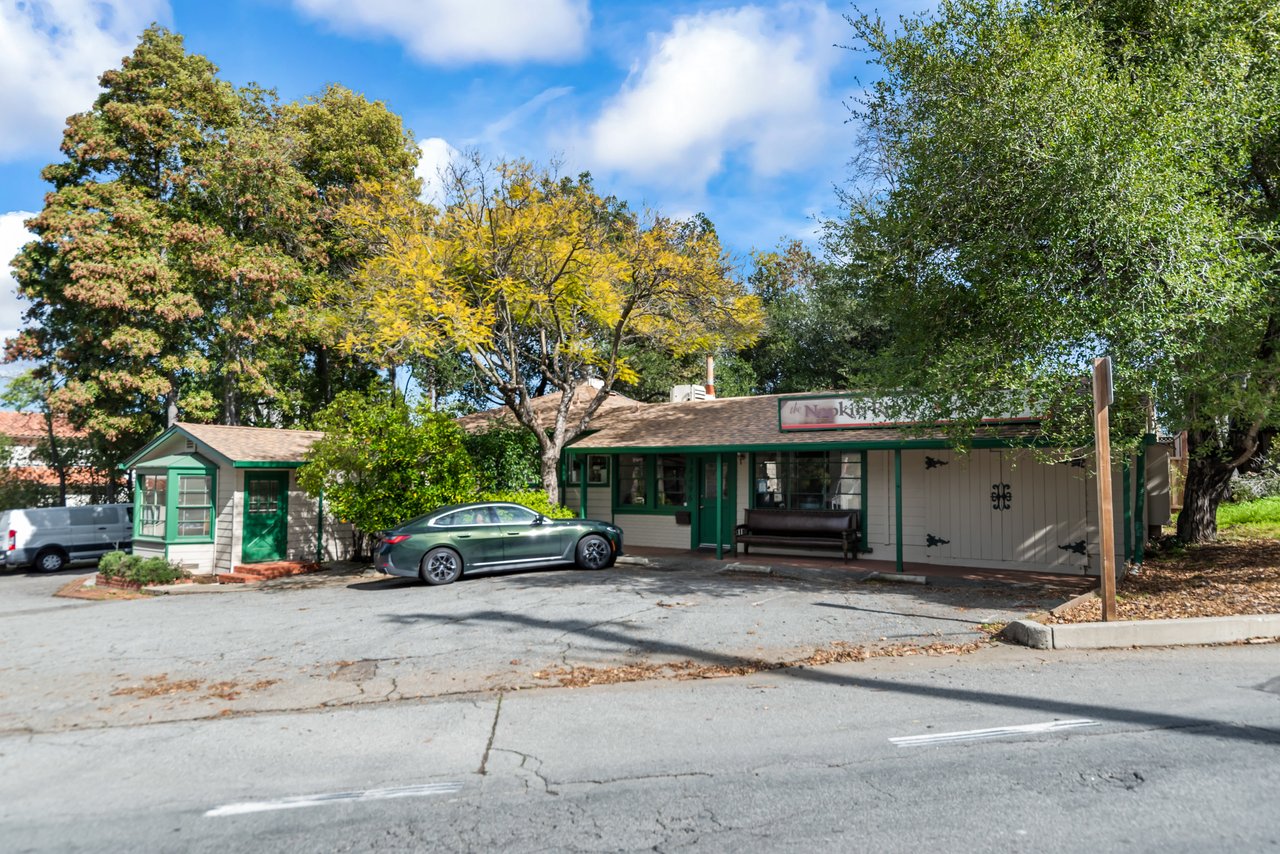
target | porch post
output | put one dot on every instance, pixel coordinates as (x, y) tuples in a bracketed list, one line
[(719, 506), (582, 485), (897, 501)]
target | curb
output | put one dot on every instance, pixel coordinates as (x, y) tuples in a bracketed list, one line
[(1193, 631)]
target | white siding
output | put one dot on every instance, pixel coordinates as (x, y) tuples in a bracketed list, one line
[(336, 536), (226, 529), (196, 558), (878, 518), (651, 529), (148, 549), (599, 501)]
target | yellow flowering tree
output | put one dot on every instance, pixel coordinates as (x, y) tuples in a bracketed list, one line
[(538, 283)]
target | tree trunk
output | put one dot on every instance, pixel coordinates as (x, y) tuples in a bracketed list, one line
[(1208, 483), (550, 462), (55, 458)]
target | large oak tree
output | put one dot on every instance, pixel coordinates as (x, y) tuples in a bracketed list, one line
[(1045, 181)]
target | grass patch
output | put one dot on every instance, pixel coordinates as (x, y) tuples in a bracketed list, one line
[(1259, 518)]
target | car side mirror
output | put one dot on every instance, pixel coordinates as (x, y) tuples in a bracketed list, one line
[(539, 519)]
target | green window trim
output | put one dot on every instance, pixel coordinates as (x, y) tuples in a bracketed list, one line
[(172, 507), (649, 477)]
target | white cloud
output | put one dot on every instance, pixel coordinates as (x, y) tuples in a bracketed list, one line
[(458, 31), (436, 156), (747, 80), (51, 54), (12, 237)]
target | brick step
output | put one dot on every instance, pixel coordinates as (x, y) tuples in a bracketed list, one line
[(236, 578), (275, 569)]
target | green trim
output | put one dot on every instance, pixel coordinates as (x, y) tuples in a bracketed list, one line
[(905, 444), (1140, 510), (173, 481), (582, 485), (720, 484), (1126, 488), (897, 500), (862, 522), (266, 464)]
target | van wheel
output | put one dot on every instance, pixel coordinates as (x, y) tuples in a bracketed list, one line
[(51, 560)]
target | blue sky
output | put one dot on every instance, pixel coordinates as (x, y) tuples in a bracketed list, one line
[(734, 110)]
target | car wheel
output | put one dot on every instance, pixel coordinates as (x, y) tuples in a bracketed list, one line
[(51, 560), (594, 552), (441, 566)]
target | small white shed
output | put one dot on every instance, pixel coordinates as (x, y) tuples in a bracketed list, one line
[(213, 497)]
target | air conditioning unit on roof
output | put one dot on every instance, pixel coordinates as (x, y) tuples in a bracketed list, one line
[(685, 393)]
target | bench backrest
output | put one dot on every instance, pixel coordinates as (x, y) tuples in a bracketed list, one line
[(769, 521)]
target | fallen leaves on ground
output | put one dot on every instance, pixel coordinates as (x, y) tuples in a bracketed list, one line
[(162, 686), (836, 653), (1212, 580)]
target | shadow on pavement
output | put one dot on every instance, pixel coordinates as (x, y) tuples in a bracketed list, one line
[(1137, 717)]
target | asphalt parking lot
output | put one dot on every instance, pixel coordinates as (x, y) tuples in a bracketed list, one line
[(349, 636)]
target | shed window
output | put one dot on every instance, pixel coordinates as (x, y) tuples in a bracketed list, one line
[(195, 505), (152, 503)]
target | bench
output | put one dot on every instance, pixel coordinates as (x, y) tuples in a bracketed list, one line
[(833, 528)]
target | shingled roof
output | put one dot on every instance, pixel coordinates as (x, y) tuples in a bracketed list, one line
[(241, 446), (545, 407), (751, 423)]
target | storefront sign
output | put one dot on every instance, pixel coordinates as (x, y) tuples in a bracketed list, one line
[(852, 412)]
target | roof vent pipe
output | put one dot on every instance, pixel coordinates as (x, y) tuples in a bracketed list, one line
[(711, 376)]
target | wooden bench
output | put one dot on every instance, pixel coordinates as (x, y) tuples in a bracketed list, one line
[(833, 528)]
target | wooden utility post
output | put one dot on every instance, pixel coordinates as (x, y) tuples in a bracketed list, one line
[(1102, 395)]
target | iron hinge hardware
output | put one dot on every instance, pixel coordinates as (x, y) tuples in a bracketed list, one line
[(1078, 547), (931, 541), (933, 463), (1001, 496)]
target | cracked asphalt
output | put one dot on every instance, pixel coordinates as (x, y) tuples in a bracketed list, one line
[(351, 637)]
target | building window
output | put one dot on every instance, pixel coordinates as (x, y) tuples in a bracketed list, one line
[(195, 505), (176, 506), (152, 503), (809, 480), (631, 481), (671, 481)]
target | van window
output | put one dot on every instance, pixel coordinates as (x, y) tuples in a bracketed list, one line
[(83, 516)]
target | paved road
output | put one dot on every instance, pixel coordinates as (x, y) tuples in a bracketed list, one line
[(352, 640), (1156, 750)]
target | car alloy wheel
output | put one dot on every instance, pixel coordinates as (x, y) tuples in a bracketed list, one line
[(593, 552), (51, 561), (441, 566)]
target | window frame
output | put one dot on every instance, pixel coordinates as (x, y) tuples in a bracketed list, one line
[(650, 480), (173, 484)]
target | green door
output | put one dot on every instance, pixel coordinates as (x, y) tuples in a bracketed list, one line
[(707, 532), (266, 516)]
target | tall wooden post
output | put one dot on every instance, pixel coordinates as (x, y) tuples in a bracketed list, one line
[(1102, 395)]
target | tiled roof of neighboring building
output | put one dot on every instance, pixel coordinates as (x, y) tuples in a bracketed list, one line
[(253, 444), (30, 426), (733, 422), (545, 407), (47, 476)]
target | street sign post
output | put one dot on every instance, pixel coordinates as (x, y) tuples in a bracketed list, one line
[(1102, 398)]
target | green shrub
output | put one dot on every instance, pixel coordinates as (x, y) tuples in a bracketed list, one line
[(142, 570), (534, 499), (109, 565)]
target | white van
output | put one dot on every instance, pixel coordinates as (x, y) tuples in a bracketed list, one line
[(49, 538)]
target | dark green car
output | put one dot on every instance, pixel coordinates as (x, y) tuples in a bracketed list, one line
[(442, 545)]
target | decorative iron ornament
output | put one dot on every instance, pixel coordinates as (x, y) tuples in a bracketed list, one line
[(931, 541), (931, 463), (1078, 547), (1001, 496)]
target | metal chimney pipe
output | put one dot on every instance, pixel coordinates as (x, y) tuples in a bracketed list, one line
[(711, 376)]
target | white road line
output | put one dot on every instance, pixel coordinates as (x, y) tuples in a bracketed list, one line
[(299, 801), (995, 732)]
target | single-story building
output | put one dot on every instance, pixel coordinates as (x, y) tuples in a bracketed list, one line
[(682, 475), (213, 497)]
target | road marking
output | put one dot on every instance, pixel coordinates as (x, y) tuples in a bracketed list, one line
[(994, 732), (299, 801)]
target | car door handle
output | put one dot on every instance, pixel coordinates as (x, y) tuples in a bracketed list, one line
[(463, 536), (513, 533)]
